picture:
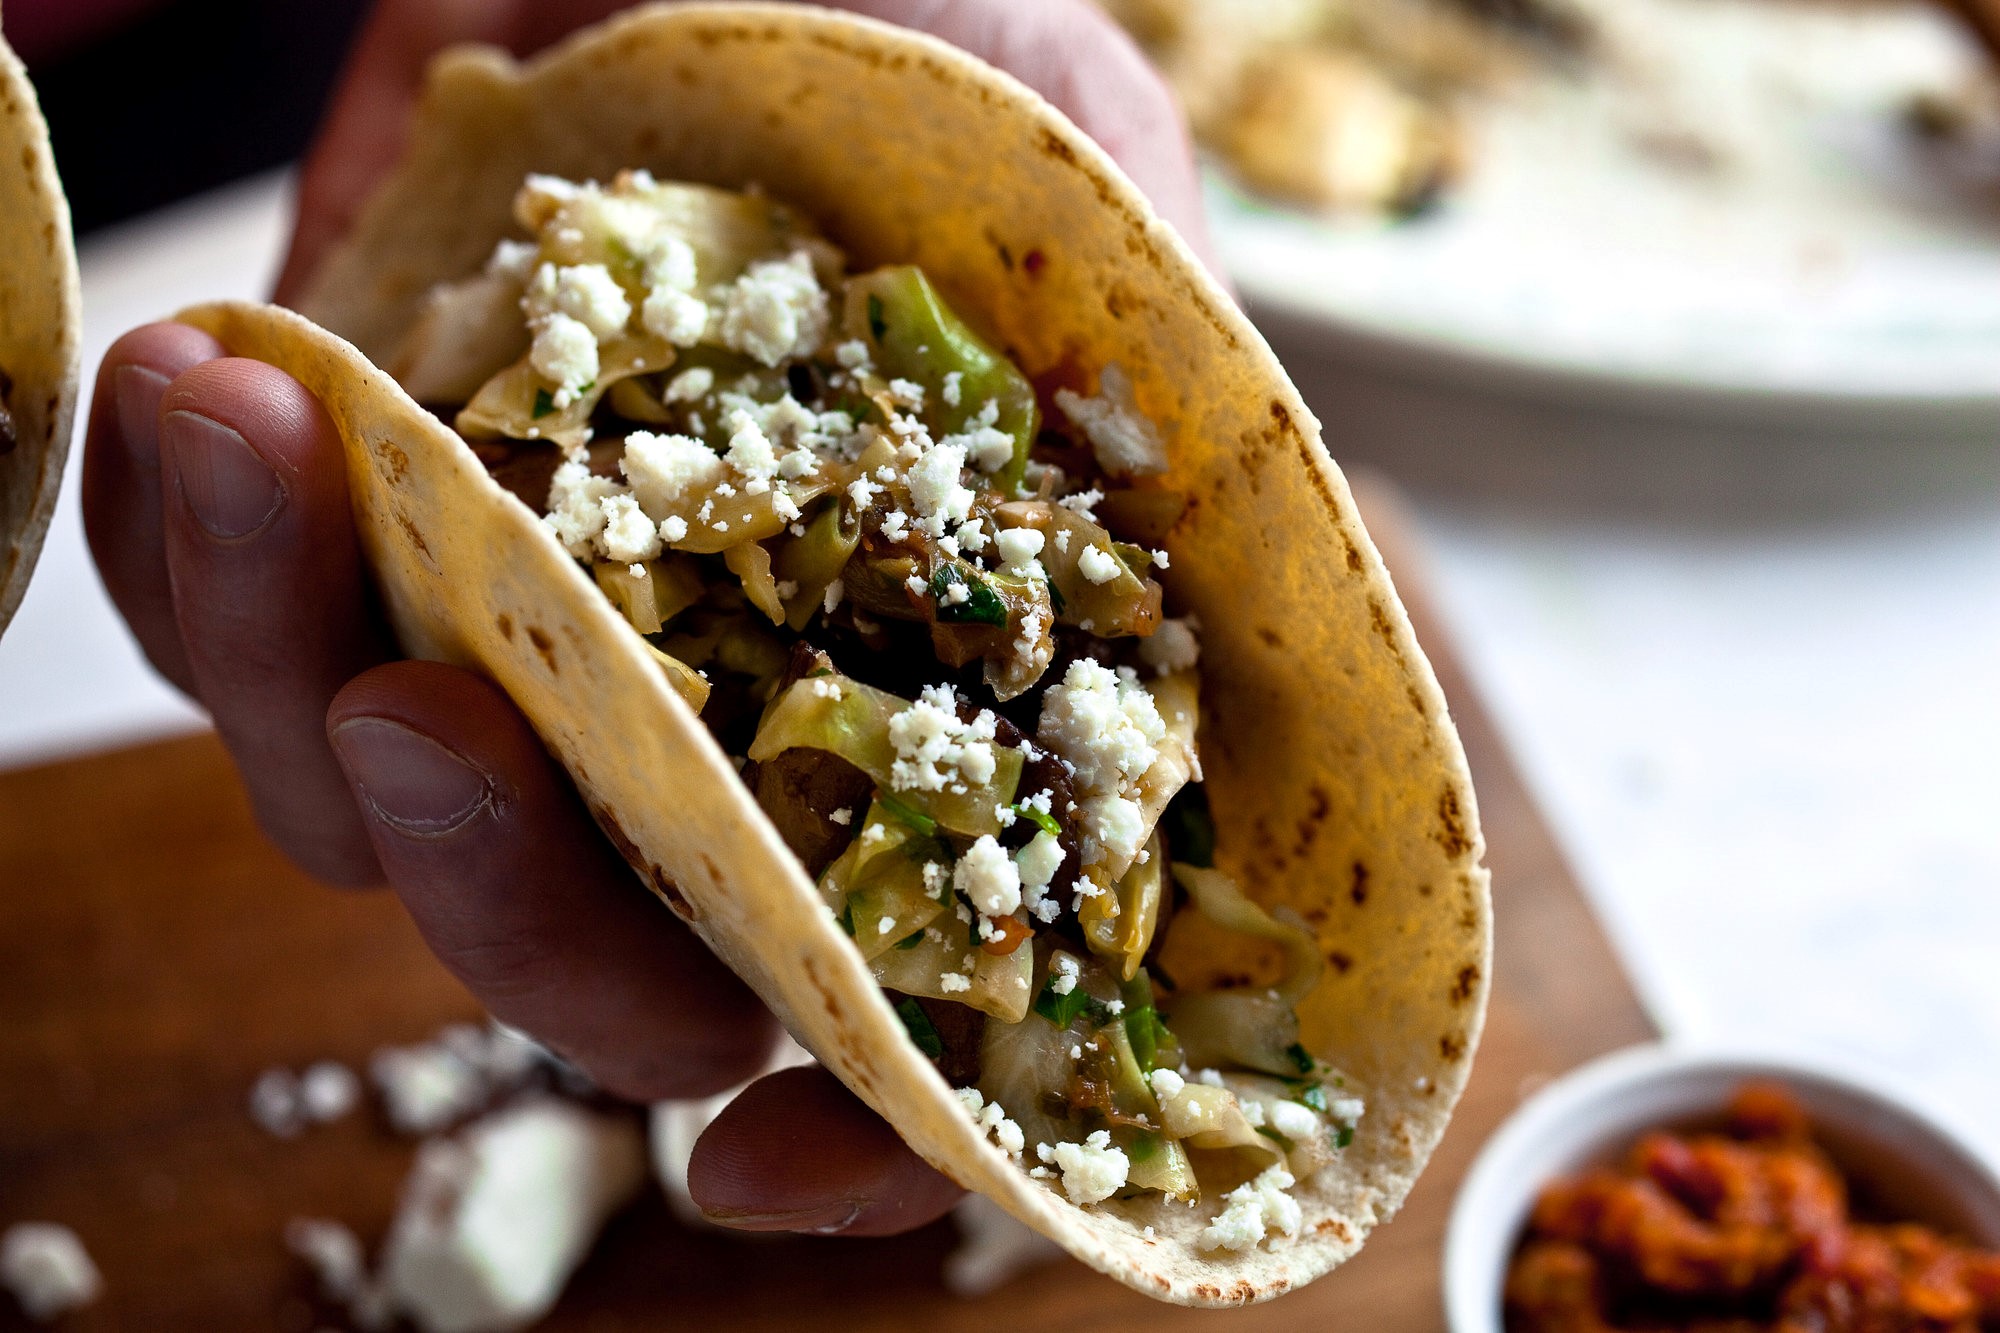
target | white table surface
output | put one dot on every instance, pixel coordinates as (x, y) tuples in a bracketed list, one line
[(1752, 680)]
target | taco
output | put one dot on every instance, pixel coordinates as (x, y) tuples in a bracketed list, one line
[(40, 319), (941, 597)]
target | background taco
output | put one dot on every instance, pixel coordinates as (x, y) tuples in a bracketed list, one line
[(40, 319), (1336, 780)]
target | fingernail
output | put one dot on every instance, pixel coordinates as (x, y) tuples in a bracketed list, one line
[(136, 392), (231, 489), (408, 779), (825, 1220)]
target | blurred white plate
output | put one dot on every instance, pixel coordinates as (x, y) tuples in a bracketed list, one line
[(1823, 255)]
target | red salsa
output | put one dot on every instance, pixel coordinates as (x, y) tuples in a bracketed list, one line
[(1747, 1230)]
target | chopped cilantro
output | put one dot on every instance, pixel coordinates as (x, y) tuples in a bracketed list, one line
[(1301, 1057), (1343, 1136), (908, 814), (1056, 601), (847, 919), (1143, 1147), (916, 937), (1271, 1134), (878, 323), (921, 1031), (982, 606), (1040, 817), (1315, 1097), (1190, 829), (1063, 1009), (822, 671)]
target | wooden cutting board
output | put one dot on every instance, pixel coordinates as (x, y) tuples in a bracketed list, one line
[(156, 956)]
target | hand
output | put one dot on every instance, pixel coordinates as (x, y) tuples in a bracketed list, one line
[(1066, 50), (215, 502)]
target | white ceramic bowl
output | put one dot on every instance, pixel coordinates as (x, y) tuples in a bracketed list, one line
[(1901, 1155)]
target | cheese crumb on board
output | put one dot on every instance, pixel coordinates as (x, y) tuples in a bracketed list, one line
[(47, 1269), (495, 1220)]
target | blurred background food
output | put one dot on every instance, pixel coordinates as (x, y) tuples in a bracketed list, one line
[(1381, 105)]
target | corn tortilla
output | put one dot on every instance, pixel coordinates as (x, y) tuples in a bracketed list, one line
[(40, 322), (1336, 778)]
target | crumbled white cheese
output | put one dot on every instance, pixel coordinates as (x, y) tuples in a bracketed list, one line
[(843, 816), (750, 453), (492, 1223), (1083, 502), (1210, 1077), (1017, 549), (1126, 443), (565, 354), (586, 293), (1294, 1120), (673, 528), (1099, 565), (540, 197), (667, 259), (677, 316), (934, 748), (513, 260), (426, 1087), (1115, 823), (940, 500), (1346, 1110), (775, 312), (328, 1090), (665, 469), (690, 385), (629, 535), (1035, 647), (1038, 861), (1170, 648), (986, 448), (987, 877), (972, 536), (1253, 1210), (47, 1269), (1105, 725), (275, 1105), (952, 983), (1092, 1171), (992, 1119), (852, 355), (907, 393), (1063, 973), (954, 387), (1167, 1084), (335, 1255)]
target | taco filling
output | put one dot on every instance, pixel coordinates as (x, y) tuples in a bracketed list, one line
[(916, 593)]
